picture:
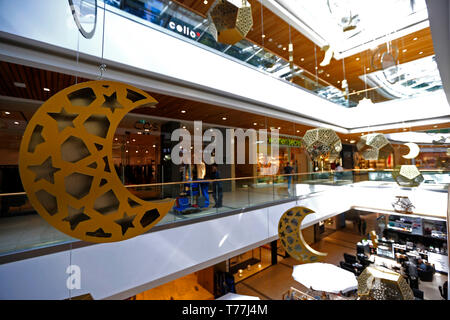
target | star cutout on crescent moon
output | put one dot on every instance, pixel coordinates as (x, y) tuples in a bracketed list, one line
[(63, 119), (44, 171), (75, 216), (126, 222), (111, 102)]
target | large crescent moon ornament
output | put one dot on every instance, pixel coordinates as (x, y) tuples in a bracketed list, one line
[(67, 169), (414, 151), (291, 236)]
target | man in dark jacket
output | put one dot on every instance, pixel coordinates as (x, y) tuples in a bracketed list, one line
[(217, 187)]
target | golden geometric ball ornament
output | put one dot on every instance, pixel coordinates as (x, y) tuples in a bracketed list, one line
[(379, 283), (291, 236), (322, 142), (374, 146), (231, 22), (407, 176), (67, 168)]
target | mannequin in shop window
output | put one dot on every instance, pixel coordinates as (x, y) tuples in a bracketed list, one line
[(217, 186)]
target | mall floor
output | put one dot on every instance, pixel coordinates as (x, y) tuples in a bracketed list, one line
[(273, 282)]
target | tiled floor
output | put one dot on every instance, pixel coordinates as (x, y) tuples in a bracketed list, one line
[(276, 280)]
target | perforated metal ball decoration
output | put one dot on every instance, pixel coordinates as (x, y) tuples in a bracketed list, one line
[(378, 283), (374, 146), (231, 22), (407, 176), (322, 142)]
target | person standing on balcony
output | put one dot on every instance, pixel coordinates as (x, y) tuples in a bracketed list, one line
[(217, 186), (288, 169)]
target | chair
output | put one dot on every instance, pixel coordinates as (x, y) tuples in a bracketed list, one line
[(444, 290), (350, 258), (418, 294), (348, 267)]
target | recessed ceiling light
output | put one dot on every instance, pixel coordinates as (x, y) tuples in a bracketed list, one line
[(404, 129), (183, 111), (298, 131), (279, 128), (302, 59), (254, 123), (20, 84), (146, 130), (415, 38), (284, 48), (224, 118), (154, 146), (7, 112), (46, 89), (263, 35), (134, 140), (435, 126), (116, 139), (126, 151), (368, 69), (352, 141), (205, 1), (328, 75), (16, 122), (184, 127), (339, 81), (404, 50), (420, 52), (357, 59), (137, 151), (139, 132), (146, 151), (128, 141)]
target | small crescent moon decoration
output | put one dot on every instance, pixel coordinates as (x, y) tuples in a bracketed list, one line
[(414, 151), (291, 236), (67, 168)]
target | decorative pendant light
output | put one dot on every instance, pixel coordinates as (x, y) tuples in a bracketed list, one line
[(374, 146), (407, 176), (322, 142), (231, 22)]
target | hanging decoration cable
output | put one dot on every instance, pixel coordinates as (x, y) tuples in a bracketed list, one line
[(262, 25), (316, 68), (291, 55), (102, 64)]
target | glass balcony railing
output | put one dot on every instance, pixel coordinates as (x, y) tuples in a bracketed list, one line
[(176, 19), (22, 229)]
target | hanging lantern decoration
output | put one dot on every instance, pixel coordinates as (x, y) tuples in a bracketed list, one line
[(322, 142), (374, 146), (231, 22), (378, 283), (407, 176)]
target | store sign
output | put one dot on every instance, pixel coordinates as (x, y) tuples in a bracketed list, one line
[(288, 142), (183, 30)]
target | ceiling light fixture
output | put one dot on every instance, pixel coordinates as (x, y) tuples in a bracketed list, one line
[(183, 111), (224, 118), (421, 52), (404, 50), (16, 122), (254, 123), (20, 84), (302, 59), (357, 59), (7, 112), (415, 38), (46, 89), (154, 146)]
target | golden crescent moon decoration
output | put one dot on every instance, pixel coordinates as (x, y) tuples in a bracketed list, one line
[(291, 236), (67, 169), (414, 151)]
